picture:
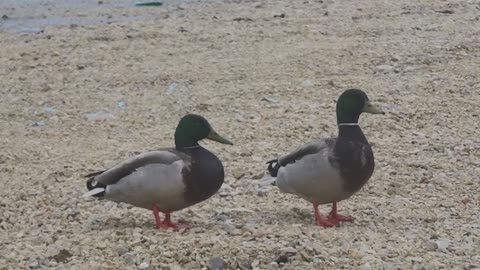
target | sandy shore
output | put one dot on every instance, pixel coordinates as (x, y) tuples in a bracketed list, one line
[(80, 97)]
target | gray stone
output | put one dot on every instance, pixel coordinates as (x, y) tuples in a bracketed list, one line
[(238, 173), (62, 256), (129, 258), (229, 228), (270, 99), (217, 263), (192, 266), (289, 251), (281, 259), (244, 265), (221, 217), (366, 266), (384, 68), (121, 250), (307, 83), (294, 243), (272, 266), (442, 245), (33, 264)]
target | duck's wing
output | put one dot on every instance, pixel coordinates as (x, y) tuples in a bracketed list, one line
[(127, 167), (98, 181), (309, 148), (311, 171)]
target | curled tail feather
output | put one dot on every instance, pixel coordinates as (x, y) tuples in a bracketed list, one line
[(273, 167), (95, 189)]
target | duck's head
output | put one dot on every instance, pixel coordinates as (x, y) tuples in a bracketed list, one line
[(352, 103), (193, 128)]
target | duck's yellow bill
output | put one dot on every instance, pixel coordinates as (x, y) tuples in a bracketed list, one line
[(370, 108), (213, 135)]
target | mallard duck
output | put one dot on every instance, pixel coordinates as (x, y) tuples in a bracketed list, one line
[(330, 170), (165, 180)]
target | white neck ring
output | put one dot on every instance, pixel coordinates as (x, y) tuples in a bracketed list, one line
[(191, 147)]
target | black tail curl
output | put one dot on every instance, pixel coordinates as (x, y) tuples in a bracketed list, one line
[(273, 167), (91, 184)]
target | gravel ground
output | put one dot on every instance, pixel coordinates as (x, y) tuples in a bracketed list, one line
[(77, 98)]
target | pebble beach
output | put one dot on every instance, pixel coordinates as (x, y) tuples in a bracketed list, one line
[(87, 84)]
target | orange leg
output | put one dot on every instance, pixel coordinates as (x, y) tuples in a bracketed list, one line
[(336, 217), (319, 220), (167, 222), (158, 222)]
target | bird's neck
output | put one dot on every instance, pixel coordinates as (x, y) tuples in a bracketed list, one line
[(185, 142), (348, 128), (351, 132), (347, 117)]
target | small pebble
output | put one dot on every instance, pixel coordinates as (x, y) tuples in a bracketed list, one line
[(238, 173), (221, 217), (245, 265), (412, 68), (38, 124), (171, 88), (289, 251), (294, 243), (217, 263), (384, 68), (270, 99), (129, 258), (272, 266), (281, 259), (143, 265), (442, 245), (306, 257), (33, 264), (366, 266), (229, 228), (62, 256), (100, 115), (121, 250), (307, 83), (192, 266)]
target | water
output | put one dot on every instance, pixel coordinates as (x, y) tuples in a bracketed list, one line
[(34, 15)]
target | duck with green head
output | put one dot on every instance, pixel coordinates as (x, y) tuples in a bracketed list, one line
[(165, 180), (333, 169)]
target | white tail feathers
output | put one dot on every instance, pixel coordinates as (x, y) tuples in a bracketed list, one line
[(267, 179), (93, 192)]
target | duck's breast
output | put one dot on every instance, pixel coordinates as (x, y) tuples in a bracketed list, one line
[(356, 164), (203, 177)]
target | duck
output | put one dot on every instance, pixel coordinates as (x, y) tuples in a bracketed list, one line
[(330, 170), (168, 179)]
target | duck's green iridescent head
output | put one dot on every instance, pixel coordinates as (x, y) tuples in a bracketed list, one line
[(193, 128), (351, 104)]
